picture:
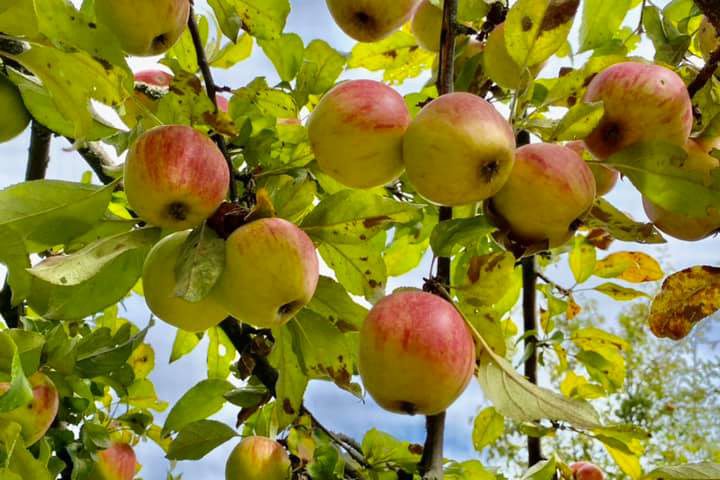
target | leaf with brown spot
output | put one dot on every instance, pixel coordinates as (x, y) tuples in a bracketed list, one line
[(606, 217), (686, 298), (634, 267)]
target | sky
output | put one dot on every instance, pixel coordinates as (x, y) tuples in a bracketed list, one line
[(335, 408)]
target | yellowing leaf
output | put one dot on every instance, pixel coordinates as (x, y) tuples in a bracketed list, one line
[(634, 267), (398, 56), (617, 292), (489, 425)]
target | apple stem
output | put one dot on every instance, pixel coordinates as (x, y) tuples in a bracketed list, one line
[(211, 90)]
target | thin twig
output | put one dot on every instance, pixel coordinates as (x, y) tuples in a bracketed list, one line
[(704, 75), (563, 290), (97, 159), (350, 449)]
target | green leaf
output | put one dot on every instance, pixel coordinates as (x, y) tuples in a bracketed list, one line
[(359, 267), (199, 438), (353, 216), (101, 353), (29, 346), (450, 235), (15, 257), (578, 122), (183, 51), (20, 392), (543, 470), (320, 68), (691, 471), (233, 53), (18, 462), (18, 18), (488, 426), (247, 397), (200, 263), (292, 198), (184, 343), (600, 20), (605, 216), (582, 259), (263, 19), (221, 354), (381, 448), (670, 45), (291, 383), (286, 53), (201, 401), (468, 470), (141, 394), (333, 302), (409, 244)]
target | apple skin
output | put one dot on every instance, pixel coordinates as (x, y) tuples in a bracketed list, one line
[(458, 139), (35, 418), (550, 188), (708, 38), (159, 287), (115, 463), (586, 471), (679, 225), (144, 28), (175, 177), (15, 117), (258, 458), (500, 66), (222, 103), (427, 26), (417, 355), (152, 78), (356, 133), (271, 272), (642, 103), (371, 20), (605, 177), (155, 78)]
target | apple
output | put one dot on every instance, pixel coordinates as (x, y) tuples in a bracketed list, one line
[(642, 103), (271, 272), (679, 225), (458, 150), (356, 133), (139, 102), (416, 354), (371, 20), (115, 463), (586, 471), (258, 458), (154, 78), (708, 38), (144, 28), (549, 191), (36, 417), (222, 103), (500, 66), (427, 26), (605, 177), (159, 288), (175, 177), (15, 117)]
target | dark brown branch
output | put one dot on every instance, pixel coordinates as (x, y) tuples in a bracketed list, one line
[(711, 9), (530, 324), (97, 159), (39, 152), (704, 75)]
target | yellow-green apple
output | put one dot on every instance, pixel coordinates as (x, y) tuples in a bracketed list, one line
[(144, 27), (417, 355), (708, 38), (427, 26), (115, 463), (680, 225), (458, 150), (36, 417), (371, 20), (175, 177), (258, 458), (271, 271), (15, 117), (642, 103), (500, 66), (586, 471), (356, 133), (159, 282), (548, 193), (140, 102), (605, 177)]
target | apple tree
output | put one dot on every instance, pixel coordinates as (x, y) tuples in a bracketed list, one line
[(269, 219)]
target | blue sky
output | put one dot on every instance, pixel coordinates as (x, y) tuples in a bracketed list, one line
[(338, 410)]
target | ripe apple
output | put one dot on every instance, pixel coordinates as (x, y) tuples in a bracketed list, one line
[(271, 271), (258, 458), (136, 105), (35, 418), (154, 78), (500, 66), (458, 150), (115, 463), (175, 177), (223, 103), (356, 133), (549, 191), (679, 225), (144, 28), (642, 103), (586, 471), (371, 20), (605, 177), (15, 117), (416, 353), (708, 38), (159, 287), (427, 26)]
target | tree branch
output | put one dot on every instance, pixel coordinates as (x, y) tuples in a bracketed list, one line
[(530, 324), (705, 74), (97, 159), (711, 9), (39, 152)]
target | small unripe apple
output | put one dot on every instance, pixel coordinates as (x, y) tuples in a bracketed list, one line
[(708, 38), (175, 177), (417, 355), (144, 27), (371, 20), (258, 458), (500, 66), (548, 193), (115, 463), (427, 26), (271, 272), (642, 103), (15, 117), (36, 417), (586, 471), (458, 150), (159, 282), (605, 177), (679, 225), (356, 133)]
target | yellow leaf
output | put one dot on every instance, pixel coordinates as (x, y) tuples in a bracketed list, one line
[(634, 267)]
